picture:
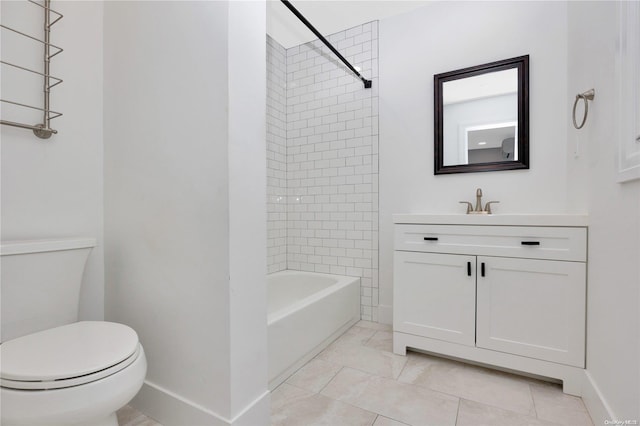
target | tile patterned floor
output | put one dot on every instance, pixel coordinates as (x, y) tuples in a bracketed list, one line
[(129, 416), (358, 380)]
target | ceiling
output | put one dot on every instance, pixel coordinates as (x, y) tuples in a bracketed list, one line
[(328, 16)]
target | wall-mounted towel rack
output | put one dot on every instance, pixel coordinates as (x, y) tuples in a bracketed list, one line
[(42, 130)]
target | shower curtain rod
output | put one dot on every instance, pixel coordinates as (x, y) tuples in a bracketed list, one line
[(367, 83)]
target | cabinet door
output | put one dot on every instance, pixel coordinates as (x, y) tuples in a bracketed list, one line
[(434, 296), (534, 308)]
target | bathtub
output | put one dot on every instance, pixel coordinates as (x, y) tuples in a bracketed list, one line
[(306, 312)]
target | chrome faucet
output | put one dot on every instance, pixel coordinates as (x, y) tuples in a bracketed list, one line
[(478, 209)]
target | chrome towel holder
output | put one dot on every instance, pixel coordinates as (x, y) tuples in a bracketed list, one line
[(586, 97), (43, 130)]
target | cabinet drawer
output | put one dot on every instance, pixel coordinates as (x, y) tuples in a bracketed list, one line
[(532, 242)]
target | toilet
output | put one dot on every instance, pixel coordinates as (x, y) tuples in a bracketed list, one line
[(54, 369)]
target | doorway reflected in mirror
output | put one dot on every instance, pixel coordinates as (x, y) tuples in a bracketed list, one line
[(491, 142)]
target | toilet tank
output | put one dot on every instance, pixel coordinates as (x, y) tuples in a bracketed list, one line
[(40, 284)]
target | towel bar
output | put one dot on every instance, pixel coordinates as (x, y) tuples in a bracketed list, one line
[(43, 130)]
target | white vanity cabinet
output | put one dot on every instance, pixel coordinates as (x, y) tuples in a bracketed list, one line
[(533, 308), (436, 297), (510, 295)]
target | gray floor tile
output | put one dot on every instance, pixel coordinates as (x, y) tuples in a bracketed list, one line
[(314, 375), (385, 421), (476, 414), (403, 402), (478, 384), (129, 416), (382, 341), (384, 364), (292, 406), (555, 406)]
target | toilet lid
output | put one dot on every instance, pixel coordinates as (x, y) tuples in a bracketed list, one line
[(66, 353)]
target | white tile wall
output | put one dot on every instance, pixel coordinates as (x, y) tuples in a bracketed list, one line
[(276, 157), (331, 161)]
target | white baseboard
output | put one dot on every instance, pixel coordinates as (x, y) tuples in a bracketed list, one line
[(385, 314), (596, 404), (256, 413), (171, 409)]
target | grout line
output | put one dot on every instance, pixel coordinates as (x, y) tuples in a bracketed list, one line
[(533, 401), (364, 343), (402, 371), (458, 411), (332, 377), (297, 387), (344, 402)]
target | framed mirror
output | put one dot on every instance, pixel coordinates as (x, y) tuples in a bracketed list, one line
[(482, 118)]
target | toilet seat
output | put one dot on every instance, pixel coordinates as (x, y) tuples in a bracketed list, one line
[(67, 356)]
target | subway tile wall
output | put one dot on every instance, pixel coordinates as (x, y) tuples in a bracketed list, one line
[(332, 161), (276, 156)]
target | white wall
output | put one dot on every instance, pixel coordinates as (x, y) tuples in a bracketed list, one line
[(247, 213), (414, 47), (53, 188), (184, 191), (613, 322)]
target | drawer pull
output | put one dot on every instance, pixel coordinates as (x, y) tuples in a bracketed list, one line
[(530, 243), (431, 238), (469, 268)]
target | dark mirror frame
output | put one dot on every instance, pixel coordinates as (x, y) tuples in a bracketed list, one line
[(522, 64)]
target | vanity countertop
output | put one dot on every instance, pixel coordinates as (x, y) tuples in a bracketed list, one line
[(494, 219)]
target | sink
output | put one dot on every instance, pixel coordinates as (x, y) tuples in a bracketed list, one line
[(494, 219)]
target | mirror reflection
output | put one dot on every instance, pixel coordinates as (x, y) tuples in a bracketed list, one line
[(481, 117)]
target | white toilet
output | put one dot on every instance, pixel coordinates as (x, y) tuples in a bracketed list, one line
[(54, 370)]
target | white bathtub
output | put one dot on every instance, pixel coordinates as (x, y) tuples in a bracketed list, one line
[(306, 312)]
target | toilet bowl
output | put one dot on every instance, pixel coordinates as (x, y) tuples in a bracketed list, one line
[(77, 374), (54, 369)]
